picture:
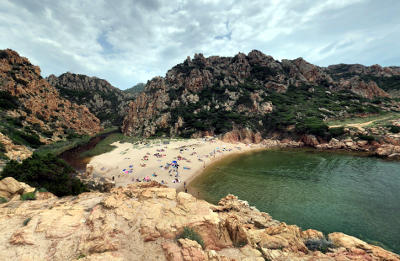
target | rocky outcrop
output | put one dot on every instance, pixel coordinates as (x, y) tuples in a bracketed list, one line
[(9, 188), (37, 107), (366, 89), (13, 151), (142, 222), (244, 136), (220, 94), (107, 102)]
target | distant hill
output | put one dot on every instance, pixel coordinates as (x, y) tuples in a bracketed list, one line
[(107, 102), (31, 110), (135, 90), (258, 95)]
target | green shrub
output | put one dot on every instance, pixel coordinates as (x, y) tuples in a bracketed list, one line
[(394, 129), (191, 234), (26, 221), (336, 132), (43, 190), (3, 200), (28, 196), (2, 147), (368, 138), (7, 101), (46, 171), (322, 245), (312, 126)]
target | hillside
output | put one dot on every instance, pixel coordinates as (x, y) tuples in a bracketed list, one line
[(135, 90), (146, 222), (107, 102), (32, 112), (254, 92)]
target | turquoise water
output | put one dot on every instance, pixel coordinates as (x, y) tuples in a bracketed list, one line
[(330, 192)]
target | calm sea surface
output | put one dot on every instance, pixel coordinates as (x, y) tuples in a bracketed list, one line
[(359, 196)]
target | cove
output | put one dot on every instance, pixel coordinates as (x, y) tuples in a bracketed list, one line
[(359, 196)]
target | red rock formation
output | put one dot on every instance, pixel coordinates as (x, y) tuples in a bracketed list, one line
[(40, 102), (224, 85)]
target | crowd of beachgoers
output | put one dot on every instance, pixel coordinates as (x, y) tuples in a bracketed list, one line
[(170, 162)]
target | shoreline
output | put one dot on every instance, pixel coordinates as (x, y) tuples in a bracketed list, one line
[(214, 162), (131, 163), (150, 160)]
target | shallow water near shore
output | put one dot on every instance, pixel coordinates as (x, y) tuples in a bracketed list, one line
[(327, 191)]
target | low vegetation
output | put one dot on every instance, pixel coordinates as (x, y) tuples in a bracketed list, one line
[(46, 171), (59, 147), (191, 234), (394, 129), (307, 108), (7, 101), (28, 196), (105, 146), (26, 221), (368, 138), (3, 200)]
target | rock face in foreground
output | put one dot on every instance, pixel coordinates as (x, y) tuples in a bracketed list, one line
[(31, 108), (107, 102), (216, 95), (142, 221)]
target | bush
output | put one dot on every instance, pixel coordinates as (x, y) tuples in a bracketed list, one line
[(28, 196), (368, 138), (26, 221), (42, 190), (191, 234), (394, 129), (2, 147), (319, 244), (7, 101), (336, 132), (46, 171), (3, 200), (312, 126)]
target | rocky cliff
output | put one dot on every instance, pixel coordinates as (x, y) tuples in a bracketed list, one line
[(32, 111), (143, 222), (216, 95), (107, 102)]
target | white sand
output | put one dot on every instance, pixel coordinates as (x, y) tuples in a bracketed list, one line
[(196, 155)]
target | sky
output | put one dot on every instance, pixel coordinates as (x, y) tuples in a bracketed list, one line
[(127, 42)]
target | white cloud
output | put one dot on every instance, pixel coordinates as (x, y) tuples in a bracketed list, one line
[(127, 41)]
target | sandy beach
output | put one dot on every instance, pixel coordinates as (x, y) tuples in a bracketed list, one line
[(172, 162)]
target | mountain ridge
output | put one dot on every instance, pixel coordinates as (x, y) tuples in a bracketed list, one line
[(245, 85), (98, 95)]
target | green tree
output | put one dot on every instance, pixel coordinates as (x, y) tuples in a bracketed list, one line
[(46, 171)]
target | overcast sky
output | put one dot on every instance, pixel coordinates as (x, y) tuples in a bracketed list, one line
[(126, 42)]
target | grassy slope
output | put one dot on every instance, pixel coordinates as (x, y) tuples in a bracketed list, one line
[(59, 147), (378, 119)]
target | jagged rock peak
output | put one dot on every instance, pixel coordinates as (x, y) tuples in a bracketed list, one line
[(238, 85)]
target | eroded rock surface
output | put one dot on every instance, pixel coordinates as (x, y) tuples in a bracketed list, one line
[(142, 221)]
